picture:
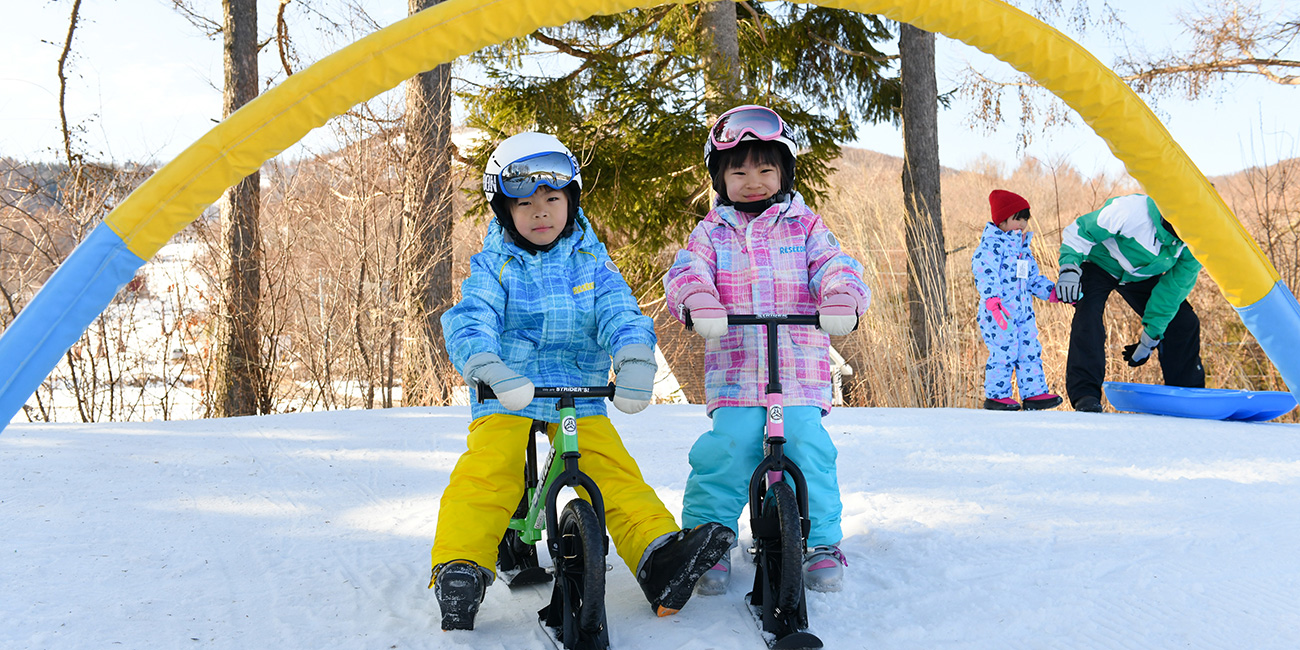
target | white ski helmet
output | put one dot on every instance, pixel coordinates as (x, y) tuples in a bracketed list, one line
[(518, 166), (523, 162)]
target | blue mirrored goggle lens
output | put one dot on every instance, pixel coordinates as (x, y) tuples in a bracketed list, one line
[(763, 123), (522, 177)]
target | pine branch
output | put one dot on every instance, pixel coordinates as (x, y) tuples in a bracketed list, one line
[(563, 46), (854, 53)]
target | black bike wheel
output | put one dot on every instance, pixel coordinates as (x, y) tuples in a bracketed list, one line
[(784, 562), (582, 567)]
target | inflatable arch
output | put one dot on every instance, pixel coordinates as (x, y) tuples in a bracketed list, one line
[(174, 196)]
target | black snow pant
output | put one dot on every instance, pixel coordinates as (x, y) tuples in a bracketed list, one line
[(1085, 366)]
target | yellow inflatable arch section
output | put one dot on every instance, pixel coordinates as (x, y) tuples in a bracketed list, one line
[(176, 195)]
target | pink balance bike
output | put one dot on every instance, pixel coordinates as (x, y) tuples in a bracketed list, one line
[(778, 511)]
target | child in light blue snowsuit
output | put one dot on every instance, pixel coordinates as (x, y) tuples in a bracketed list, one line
[(1007, 278)]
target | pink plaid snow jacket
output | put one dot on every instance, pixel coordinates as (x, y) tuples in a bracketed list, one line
[(781, 262)]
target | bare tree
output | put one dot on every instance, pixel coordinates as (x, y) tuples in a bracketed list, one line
[(926, 259), (46, 210), (1039, 110), (427, 227), (239, 386), (1230, 39)]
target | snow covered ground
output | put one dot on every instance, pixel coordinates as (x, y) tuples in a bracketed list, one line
[(964, 529)]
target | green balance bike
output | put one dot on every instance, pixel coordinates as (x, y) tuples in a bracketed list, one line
[(575, 536)]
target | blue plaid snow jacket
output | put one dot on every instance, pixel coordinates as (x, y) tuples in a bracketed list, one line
[(555, 317)]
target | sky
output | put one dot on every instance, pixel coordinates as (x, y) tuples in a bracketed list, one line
[(963, 529), (150, 95)]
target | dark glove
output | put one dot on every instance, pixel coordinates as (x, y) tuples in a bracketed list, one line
[(1138, 353), (1068, 288)]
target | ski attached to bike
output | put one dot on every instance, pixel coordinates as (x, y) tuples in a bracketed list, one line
[(779, 600)]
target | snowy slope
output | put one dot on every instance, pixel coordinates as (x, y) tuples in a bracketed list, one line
[(964, 529)]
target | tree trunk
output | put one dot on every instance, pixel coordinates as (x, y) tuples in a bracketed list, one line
[(683, 350), (238, 373), (926, 259), (427, 228), (721, 57)]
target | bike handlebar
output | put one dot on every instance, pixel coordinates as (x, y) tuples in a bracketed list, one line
[(772, 319), (762, 319), (607, 391), (770, 323)]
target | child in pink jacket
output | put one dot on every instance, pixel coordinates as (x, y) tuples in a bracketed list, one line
[(761, 250)]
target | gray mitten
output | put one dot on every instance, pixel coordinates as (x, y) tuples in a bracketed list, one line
[(634, 377), (513, 390)]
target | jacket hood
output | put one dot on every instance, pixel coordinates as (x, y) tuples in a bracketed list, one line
[(726, 214), (991, 230), (1163, 237), (496, 241)]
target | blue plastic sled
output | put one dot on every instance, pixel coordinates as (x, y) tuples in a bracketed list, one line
[(1204, 403)]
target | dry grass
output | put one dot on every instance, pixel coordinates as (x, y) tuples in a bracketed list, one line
[(865, 210), (332, 239)]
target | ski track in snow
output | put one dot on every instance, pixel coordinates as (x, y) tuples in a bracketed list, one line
[(963, 529)]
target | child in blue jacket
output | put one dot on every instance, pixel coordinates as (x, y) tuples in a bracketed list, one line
[(1007, 278), (544, 305)]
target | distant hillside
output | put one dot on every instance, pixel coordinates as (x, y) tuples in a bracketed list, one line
[(874, 161)]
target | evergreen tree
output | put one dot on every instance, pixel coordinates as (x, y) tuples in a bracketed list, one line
[(627, 93)]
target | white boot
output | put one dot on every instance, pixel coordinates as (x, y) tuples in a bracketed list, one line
[(714, 582), (823, 568)]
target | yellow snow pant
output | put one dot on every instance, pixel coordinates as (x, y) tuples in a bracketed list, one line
[(488, 482)]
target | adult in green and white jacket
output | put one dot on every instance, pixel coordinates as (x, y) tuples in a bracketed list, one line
[(1126, 246)]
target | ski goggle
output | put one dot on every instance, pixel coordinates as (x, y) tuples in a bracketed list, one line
[(761, 122), (521, 178)]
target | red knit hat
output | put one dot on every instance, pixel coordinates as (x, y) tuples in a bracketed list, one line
[(1003, 204)]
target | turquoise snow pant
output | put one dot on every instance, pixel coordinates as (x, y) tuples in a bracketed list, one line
[(723, 459), (1014, 350)]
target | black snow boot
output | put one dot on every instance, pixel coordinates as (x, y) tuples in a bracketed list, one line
[(1088, 404), (672, 564), (459, 586)]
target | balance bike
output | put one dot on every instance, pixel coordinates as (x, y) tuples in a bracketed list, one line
[(575, 537)]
